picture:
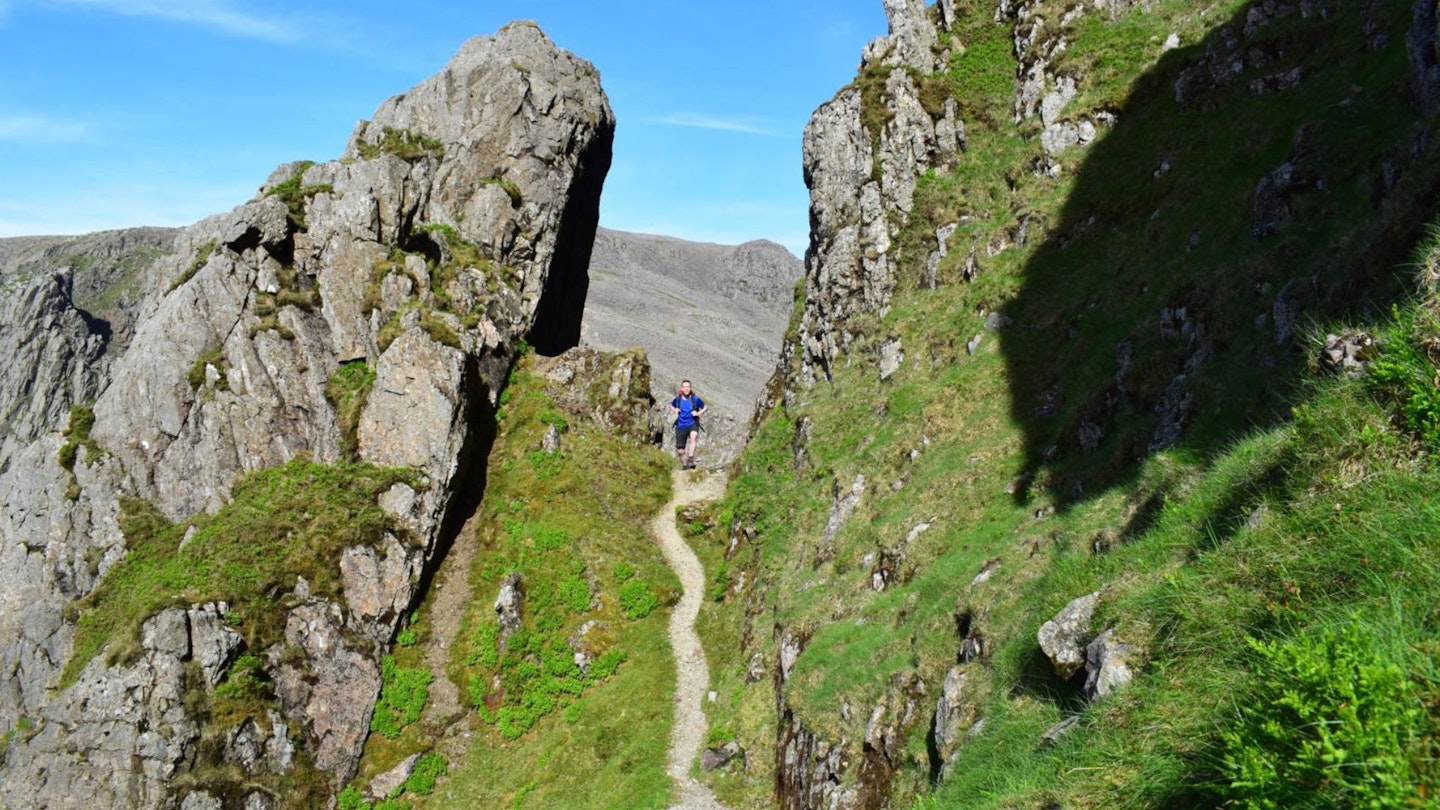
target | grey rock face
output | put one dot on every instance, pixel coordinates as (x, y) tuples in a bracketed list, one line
[(855, 217), (1347, 353), (1107, 665), (841, 509), (1064, 637), (1272, 201), (912, 40), (330, 689), (52, 354), (713, 758), (235, 334), (121, 732)]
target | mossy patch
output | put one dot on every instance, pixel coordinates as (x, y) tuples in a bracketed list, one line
[(402, 143), (286, 522)]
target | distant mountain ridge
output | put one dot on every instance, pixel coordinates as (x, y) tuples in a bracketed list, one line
[(713, 314)]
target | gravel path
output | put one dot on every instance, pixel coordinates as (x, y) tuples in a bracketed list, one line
[(692, 674)]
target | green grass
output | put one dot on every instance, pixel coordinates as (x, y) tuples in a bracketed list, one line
[(573, 525), (348, 389), (282, 523), (1292, 505)]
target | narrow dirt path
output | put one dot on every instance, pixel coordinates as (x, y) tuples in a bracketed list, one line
[(447, 610), (692, 674)]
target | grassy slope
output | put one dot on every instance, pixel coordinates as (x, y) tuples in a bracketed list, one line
[(1345, 529), (575, 519)]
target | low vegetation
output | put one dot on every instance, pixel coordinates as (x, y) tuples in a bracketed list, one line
[(572, 526), (402, 143), (286, 522), (296, 194), (348, 389)]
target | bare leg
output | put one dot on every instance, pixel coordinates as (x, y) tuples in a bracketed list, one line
[(690, 446)]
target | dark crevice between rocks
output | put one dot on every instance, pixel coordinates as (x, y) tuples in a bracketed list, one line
[(425, 244), (562, 302), (932, 751), (470, 475), (1039, 680), (97, 326)]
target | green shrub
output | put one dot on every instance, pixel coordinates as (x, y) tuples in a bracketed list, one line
[(246, 679), (77, 435), (484, 645), (351, 798), (295, 194), (545, 465), (574, 593), (287, 521), (66, 455), (637, 600), (1332, 723), (407, 638), (212, 357), (440, 331), (550, 538), (606, 665), (624, 571), (430, 767), (1404, 376), (403, 693), (508, 186), (402, 143)]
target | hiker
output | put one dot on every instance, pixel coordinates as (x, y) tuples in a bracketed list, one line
[(687, 408)]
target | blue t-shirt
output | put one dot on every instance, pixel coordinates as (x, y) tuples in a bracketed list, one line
[(688, 406)]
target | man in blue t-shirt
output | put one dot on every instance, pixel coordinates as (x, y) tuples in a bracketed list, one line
[(687, 408)]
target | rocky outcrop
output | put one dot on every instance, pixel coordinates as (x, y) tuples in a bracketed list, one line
[(458, 222), (862, 186)]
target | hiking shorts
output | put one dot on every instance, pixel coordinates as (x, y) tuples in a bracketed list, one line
[(682, 435)]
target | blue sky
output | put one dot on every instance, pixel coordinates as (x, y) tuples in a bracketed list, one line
[(116, 113)]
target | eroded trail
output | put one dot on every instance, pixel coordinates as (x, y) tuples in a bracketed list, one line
[(692, 674)]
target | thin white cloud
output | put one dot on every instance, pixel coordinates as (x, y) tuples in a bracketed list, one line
[(29, 128), (700, 121), (104, 207), (218, 15)]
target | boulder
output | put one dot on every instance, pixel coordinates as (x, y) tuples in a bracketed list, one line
[(509, 604), (1064, 637), (1107, 665)]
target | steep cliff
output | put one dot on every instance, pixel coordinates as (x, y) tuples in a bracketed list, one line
[(1051, 384), (283, 443)]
